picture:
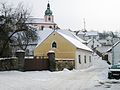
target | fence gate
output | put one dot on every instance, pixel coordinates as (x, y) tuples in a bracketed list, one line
[(36, 63)]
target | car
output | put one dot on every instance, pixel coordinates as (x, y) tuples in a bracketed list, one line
[(114, 72)]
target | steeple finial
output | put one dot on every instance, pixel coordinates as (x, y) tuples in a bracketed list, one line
[(48, 11)]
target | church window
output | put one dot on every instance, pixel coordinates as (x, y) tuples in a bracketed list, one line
[(42, 27), (49, 19), (54, 45)]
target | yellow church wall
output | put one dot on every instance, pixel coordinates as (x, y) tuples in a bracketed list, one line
[(64, 50)]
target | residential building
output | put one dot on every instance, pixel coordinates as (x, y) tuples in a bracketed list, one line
[(93, 43), (114, 53), (67, 47), (86, 35)]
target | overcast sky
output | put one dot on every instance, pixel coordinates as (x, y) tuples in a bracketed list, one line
[(68, 14)]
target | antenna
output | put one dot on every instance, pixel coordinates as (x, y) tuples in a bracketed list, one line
[(84, 24)]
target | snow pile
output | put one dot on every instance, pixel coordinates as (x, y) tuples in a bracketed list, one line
[(99, 63)]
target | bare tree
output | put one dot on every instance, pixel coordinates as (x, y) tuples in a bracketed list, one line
[(14, 29)]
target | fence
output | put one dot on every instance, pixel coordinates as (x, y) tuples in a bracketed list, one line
[(36, 63)]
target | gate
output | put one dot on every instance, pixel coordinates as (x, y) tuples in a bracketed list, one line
[(36, 63)]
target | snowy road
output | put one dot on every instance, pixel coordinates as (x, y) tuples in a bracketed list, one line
[(94, 78)]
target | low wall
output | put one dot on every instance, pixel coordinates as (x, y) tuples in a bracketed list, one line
[(35, 64), (30, 64), (61, 64), (7, 64)]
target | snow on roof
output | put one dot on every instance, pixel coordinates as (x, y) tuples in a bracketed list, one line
[(89, 40), (66, 34), (81, 40), (42, 35), (113, 46), (75, 42), (71, 34), (91, 33), (81, 33)]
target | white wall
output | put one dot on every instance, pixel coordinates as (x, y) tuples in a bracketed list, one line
[(117, 54), (82, 53), (110, 57)]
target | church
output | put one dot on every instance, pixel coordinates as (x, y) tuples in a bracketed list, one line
[(46, 22)]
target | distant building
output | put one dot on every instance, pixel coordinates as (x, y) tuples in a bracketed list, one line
[(46, 22), (67, 47), (86, 35), (93, 43), (91, 35)]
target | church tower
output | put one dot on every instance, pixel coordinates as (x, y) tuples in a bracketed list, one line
[(48, 14)]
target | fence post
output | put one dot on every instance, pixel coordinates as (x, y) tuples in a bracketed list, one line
[(51, 57), (21, 59)]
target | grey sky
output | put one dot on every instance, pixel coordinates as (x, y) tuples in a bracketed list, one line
[(99, 14)]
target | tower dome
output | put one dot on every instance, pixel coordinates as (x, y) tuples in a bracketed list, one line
[(48, 11)]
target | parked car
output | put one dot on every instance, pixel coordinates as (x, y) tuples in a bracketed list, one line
[(114, 72)]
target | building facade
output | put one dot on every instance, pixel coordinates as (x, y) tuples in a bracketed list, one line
[(66, 46), (114, 53), (46, 22)]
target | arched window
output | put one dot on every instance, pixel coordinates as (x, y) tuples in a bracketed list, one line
[(49, 19), (54, 45), (42, 27)]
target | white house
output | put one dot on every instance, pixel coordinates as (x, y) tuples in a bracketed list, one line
[(91, 35), (86, 35), (114, 53), (93, 43)]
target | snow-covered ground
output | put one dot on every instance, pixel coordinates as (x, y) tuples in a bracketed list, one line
[(93, 78)]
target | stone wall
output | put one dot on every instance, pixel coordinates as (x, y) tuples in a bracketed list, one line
[(7, 64)]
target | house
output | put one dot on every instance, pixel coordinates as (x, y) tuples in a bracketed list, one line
[(86, 35), (91, 35), (81, 34), (67, 47), (114, 53), (93, 43), (46, 22)]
